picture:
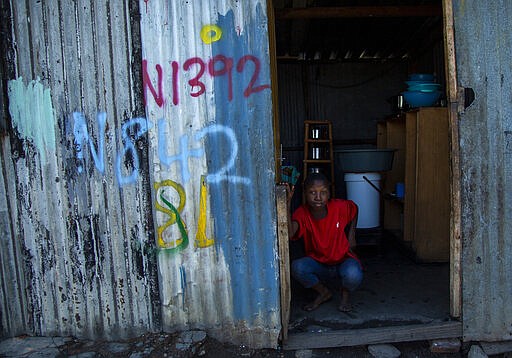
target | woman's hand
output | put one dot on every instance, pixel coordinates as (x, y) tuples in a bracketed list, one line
[(290, 189), (292, 225)]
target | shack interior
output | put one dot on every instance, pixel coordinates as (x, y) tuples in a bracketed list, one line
[(347, 62)]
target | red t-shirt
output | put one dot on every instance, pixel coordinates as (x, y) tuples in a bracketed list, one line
[(325, 239)]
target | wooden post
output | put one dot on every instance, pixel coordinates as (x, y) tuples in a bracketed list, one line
[(284, 258), (455, 214)]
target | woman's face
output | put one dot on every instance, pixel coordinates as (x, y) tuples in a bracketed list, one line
[(317, 195)]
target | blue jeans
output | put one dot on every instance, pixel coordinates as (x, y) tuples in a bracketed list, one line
[(310, 272)]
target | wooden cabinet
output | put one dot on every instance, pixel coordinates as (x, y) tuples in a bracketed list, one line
[(391, 134), (422, 136)]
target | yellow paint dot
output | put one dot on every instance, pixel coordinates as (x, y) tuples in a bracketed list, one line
[(211, 33)]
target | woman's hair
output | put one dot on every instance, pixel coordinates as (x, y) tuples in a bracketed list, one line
[(313, 177)]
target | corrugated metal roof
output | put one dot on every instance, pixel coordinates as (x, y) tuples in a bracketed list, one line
[(120, 220), (356, 30), (484, 50)]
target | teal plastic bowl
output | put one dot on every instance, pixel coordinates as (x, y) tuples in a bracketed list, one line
[(425, 87), (421, 99), (416, 83)]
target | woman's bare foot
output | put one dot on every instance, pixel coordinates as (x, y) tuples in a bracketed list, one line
[(345, 305), (317, 302), (324, 295)]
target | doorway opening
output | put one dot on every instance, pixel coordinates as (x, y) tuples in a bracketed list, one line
[(348, 66)]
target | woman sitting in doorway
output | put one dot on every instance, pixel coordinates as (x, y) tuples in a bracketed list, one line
[(328, 229)]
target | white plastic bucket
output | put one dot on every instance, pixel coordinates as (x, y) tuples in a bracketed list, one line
[(365, 196)]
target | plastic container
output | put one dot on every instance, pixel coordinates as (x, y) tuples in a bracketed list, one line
[(364, 160), (417, 83), (365, 196), (400, 190), (421, 99), (425, 87)]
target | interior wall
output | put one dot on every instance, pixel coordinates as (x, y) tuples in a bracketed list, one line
[(353, 96)]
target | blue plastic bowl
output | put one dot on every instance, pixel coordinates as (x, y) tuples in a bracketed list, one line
[(416, 83), (421, 99), (425, 87), (421, 77)]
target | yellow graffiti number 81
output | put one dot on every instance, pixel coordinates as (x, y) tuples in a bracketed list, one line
[(174, 217)]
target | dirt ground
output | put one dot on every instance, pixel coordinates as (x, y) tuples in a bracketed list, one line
[(199, 344), (170, 345)]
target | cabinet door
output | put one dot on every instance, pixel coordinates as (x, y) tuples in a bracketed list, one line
[(432, 199)]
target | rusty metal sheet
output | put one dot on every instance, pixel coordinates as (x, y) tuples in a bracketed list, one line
[(78, 253), (483, 40), (138, 175), (207, 89)]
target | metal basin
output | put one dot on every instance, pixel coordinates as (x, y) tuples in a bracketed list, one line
[(364, 160)]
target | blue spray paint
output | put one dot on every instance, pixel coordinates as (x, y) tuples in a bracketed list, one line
[(223, 172), (214, 132), (183, 280), (183, 155), (250, 121), (82, 138)]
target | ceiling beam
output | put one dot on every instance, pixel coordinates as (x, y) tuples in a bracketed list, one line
[(358, 11)]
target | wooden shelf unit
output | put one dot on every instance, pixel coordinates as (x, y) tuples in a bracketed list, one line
[(318, 136)]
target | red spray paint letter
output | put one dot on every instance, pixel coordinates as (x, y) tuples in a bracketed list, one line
[(146, 83)]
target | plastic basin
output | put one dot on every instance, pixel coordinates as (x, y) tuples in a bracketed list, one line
[(421, 99), (416, 83), (364, 160), (425, 87)]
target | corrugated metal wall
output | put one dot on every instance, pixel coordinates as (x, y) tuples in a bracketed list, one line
[(483, 40), (207, 87), (77, 250), (351, 95), (118, 218)]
